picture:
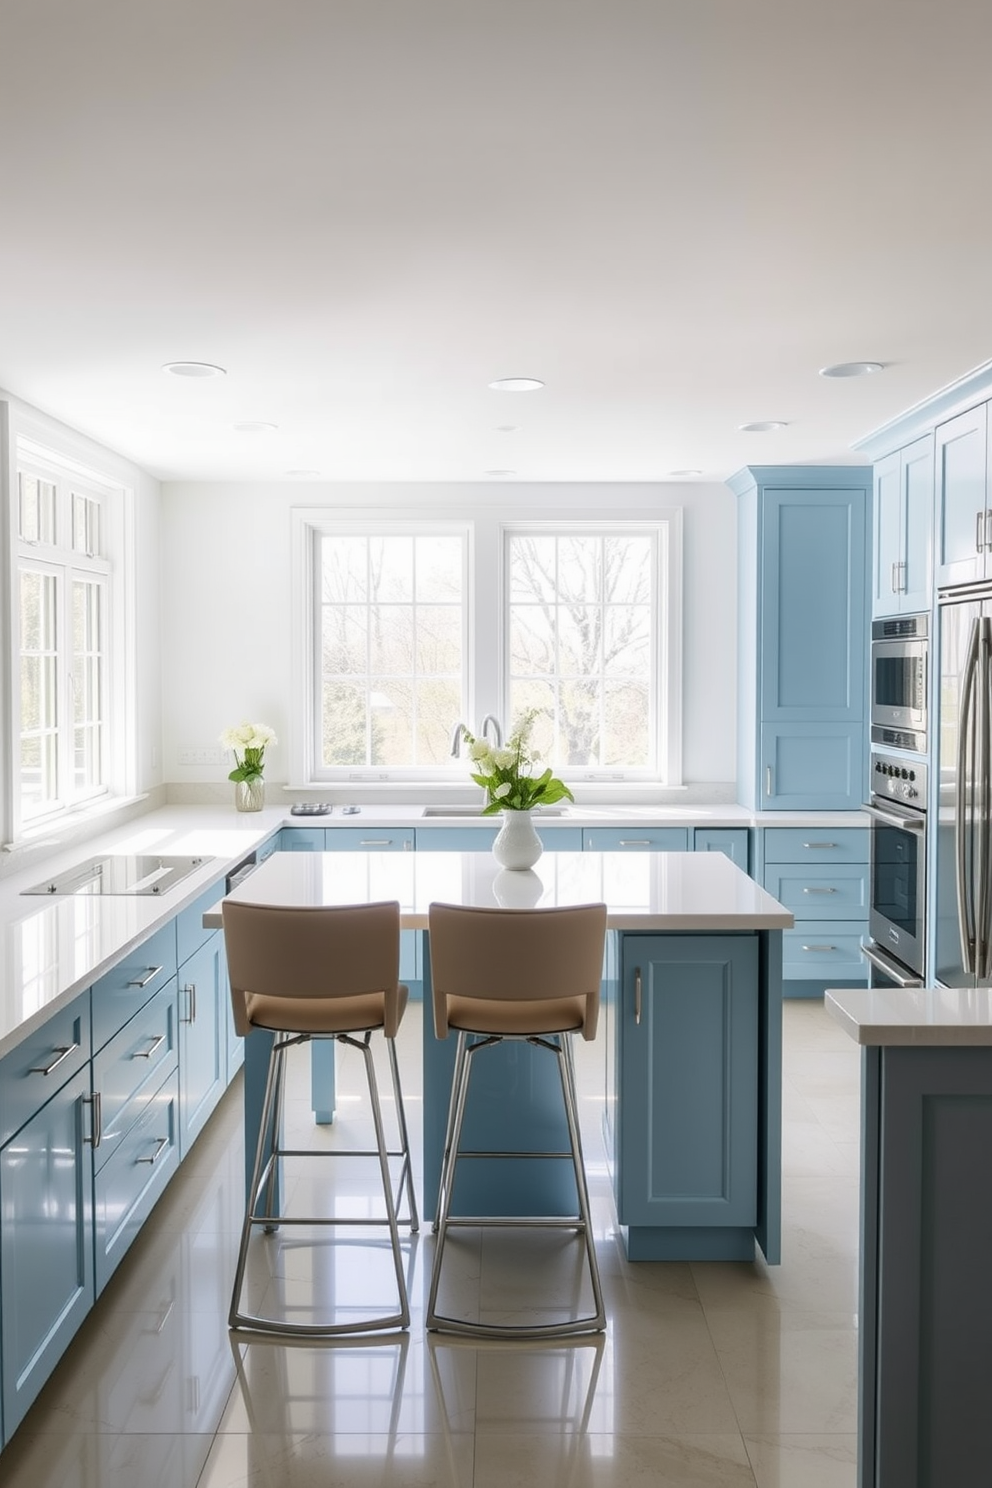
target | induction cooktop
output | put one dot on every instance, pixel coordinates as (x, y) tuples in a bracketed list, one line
[(127, 874)]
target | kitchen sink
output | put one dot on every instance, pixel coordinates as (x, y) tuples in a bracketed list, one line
[(476, 811)]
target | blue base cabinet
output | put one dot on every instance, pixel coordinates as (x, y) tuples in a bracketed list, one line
[(687, 1128), (822, 875), (803, 543)]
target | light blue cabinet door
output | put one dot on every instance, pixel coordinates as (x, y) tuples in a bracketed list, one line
[(635, 839), (301, 839), (687, 1125), (813, 766), (203, 999), (812, 644), (917, 489), (963, 526), (127, 1187), (369, 839), (46, 1243), (735, 842), (887, 535)]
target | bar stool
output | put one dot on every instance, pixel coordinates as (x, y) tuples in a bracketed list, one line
[(515, 974), (318, 972)]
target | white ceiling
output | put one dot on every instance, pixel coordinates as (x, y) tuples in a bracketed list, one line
[(674, 212)]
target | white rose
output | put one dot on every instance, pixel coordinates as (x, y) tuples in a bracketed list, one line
[(504, 758), (502, 790)]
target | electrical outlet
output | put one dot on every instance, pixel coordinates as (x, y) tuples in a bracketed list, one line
[(201, 756)]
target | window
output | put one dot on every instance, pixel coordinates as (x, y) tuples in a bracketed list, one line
[(66, 722), (413, 626)]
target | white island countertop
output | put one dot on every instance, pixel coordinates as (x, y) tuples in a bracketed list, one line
[(914, 1016), (643, 891)]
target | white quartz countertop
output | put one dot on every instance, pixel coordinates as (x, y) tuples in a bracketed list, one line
[(51, 949), (643, 891), (920, 1016)]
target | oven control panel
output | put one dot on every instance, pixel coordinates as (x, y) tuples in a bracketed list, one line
[(897, 778)]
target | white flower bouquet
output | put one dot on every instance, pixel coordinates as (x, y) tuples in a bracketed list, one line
[(248, 742), (504, 772)]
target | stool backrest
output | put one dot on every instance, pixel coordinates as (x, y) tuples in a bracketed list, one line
[(514, 955), (319, 951)]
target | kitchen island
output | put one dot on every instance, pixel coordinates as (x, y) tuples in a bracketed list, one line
[(691, 1035), (925, 1306)]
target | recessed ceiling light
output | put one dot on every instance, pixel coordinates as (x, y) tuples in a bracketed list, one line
[(676, 474), (762, 426), (500, 474), (254, 428), (194, 369), (516, 385), (852, 369)]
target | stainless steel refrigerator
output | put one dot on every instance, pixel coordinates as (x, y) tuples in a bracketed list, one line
[(963, 858)]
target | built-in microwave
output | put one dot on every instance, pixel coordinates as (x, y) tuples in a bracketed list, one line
[(900, 649)]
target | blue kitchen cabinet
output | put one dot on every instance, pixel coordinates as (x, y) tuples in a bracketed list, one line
[(635, 839), (686, 1133), (46, 1240), (734, 842), (822, 875), (963, 501), (204, 999), (803, 544), (370, 839), (301, 839), (902, 546)]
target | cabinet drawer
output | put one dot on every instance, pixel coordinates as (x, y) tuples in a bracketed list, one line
[(832, 892), (301, 839), (369, 839), (127, 1187), (635, 839), (61, 1047), (733, 842), (131, 1066), (816, 845), (118, 995), (190, 933), (821, 950)]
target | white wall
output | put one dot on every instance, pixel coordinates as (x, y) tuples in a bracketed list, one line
[(227, 616)]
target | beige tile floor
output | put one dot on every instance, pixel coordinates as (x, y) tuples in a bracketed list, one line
[(709, 1375)]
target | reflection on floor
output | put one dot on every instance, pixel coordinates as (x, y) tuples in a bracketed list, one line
[(708, 1375)]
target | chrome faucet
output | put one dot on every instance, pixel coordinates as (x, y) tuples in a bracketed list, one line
[(456, 738), (495, 737)]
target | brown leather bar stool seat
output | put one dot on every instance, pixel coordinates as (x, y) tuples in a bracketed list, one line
[(515, 974), (318, 972)]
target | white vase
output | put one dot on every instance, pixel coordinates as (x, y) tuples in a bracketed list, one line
[(518, 845), (249, 795)]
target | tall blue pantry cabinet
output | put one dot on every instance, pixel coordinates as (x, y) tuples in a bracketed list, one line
[(803, 544)]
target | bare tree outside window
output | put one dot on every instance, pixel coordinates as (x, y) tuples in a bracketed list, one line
[(392, 647), (580, 622)]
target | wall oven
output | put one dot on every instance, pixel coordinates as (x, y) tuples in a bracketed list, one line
[(897, 885), (899, 681)]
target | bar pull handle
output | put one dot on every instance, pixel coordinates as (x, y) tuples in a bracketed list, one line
[(634, 842), (894, 578), (819, 948), (376, 842), (814, 845), (150, 976), (979, 531), (190, 990), (156, 1043), (988, 522), (96, 1101), (637, 995), (62, 1051), (819, 891), (161, 1145), (768, 780)]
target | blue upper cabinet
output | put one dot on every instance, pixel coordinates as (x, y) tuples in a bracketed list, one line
[(803, 541), (964, 506), (903, 525)]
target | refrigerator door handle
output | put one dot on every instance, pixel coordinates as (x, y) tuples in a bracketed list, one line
[(964, 863), (983, 890)]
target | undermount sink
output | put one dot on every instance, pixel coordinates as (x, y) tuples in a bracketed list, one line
[(477, 811)]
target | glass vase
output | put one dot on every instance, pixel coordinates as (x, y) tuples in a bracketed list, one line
[(517, 845), (249, 795)]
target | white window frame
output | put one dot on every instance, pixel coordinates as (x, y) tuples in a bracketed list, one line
[(54, 455), (485, 686)]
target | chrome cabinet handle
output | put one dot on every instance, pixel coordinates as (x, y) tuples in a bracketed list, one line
[(96, 1101), (153, 972), (190, 990), (62, 1051), (637, 994), (819, 891), (147, 1053), (894, 578), (979, 531), (375, 842), (988, 523), (634, 842), (819, 948), (768, 780), (163, 1142), (814, 845)]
